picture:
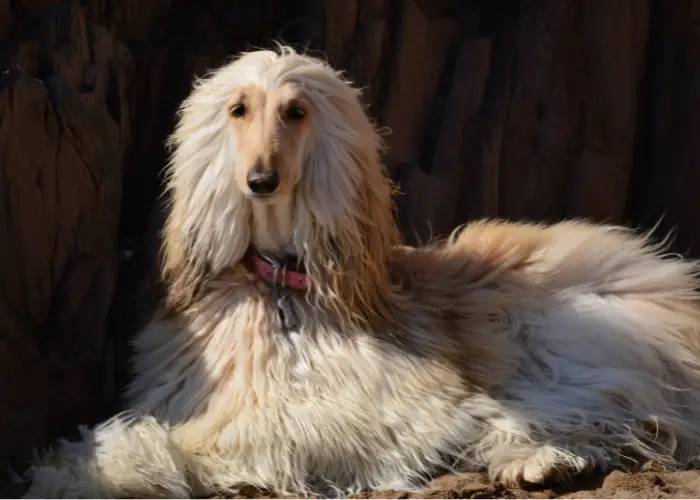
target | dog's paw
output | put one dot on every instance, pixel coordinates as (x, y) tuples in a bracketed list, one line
[(544, 465)]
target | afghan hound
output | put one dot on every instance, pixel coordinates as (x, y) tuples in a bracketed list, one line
[(304, 350)]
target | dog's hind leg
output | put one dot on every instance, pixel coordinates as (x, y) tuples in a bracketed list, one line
[(122, 457)]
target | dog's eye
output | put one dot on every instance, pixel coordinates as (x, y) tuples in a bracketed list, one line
[(238, 110), (295, 113)]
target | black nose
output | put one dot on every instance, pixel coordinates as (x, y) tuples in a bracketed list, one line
[(263, 181)]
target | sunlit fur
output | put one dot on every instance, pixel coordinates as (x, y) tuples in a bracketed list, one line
[(530, 351)]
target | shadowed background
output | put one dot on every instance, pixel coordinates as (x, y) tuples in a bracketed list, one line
[(539, 109)]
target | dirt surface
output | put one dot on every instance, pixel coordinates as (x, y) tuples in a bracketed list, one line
[(617, 484)]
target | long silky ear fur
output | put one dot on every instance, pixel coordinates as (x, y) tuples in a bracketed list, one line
[(345, 214), (207, 228)]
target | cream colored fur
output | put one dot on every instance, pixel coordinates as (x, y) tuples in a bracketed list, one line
[(530, 351)]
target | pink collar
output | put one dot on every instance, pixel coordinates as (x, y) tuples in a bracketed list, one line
[(271, 271)]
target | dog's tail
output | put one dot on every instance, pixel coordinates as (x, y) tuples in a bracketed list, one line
[(584, 257), (615, 260)]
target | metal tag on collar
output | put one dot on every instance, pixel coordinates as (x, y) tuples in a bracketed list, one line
[(281, 295), (285, 309)]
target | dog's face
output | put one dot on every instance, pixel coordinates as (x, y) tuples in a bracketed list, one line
[(274, 150), (272, 128)]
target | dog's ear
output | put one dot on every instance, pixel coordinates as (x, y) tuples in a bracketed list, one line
[(207, 227), (375, 226), (348, 197), (182, 274)]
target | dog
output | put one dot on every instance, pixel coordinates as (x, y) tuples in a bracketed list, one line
[(303, 349)]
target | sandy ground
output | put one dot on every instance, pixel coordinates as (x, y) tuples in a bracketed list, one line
[(649, 484), (653, 482), (615, 485)]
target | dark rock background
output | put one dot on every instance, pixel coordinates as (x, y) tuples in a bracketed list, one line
[(538, 109)]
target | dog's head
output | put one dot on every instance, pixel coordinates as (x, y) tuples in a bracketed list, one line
[(275, 150)]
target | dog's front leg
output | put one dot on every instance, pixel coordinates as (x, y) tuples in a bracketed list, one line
[(122, 457)]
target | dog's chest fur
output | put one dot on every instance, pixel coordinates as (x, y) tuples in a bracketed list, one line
[(232, 372)]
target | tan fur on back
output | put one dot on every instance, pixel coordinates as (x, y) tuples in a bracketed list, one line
[(531, 351)]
